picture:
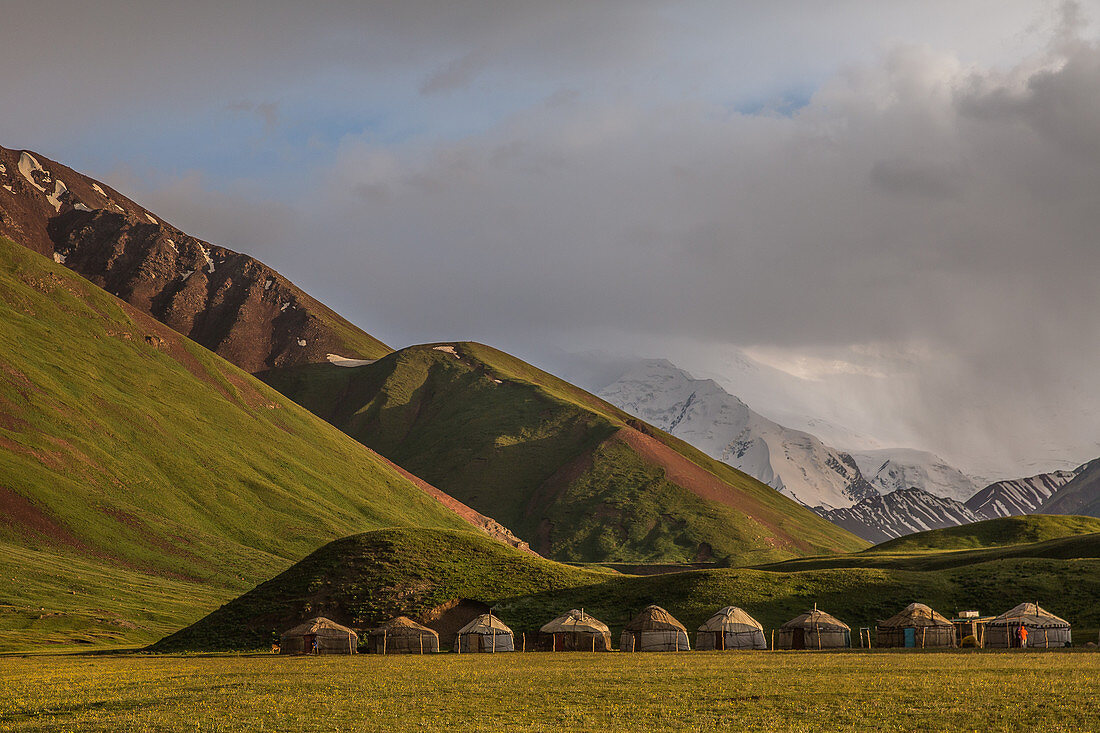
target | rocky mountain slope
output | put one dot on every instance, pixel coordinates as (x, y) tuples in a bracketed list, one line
[(1081, 495), (144, 480), (722, 426), (571, 474), (898, 513), (230, 303), (1018, 496), (890, 469)]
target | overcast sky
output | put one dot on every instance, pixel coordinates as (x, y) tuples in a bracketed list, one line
[(894, 207)]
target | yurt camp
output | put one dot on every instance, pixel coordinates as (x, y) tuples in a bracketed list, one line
[(485, 634), (917, 626), (319, 636), (576, 631), (814, 630), (654, 630), (730, 628), (402, 635), (1043, 629)]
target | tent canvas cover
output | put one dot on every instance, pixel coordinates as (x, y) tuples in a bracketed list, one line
[(814, 629), (654, 630), (486, 633), (730, 628), (916, 626), (1044, 629), (330, 638), (402, 635), (575, 631)]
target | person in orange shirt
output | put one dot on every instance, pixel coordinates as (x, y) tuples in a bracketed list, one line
[(1023, 636)]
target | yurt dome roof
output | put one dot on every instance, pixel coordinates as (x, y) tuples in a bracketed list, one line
[(915, 614), (731, 618), (487, 624), (654, 618), (1029, 614), (575, 621)]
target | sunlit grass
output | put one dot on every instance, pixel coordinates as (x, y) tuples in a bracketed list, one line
[(549, 692)]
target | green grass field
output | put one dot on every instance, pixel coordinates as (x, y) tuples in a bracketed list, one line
[(766, 691)]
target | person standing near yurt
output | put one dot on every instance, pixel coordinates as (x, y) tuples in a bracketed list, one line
[(1027, 625)]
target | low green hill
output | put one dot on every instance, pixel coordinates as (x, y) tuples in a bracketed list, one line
[(366, 579), (577, 478), (144, 478), (1000, 532)]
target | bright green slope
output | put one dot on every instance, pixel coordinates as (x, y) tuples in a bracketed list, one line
[(1001, 532), (144, 478), (366, 579), (577, 478)]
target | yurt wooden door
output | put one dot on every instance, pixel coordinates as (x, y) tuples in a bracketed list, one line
[(910, 638), (559, 642), (720, 640), (798, 639)]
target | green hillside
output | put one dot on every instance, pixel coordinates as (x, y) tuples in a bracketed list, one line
[(1000, 532), (130, 455), (569, 473), (366, 579)]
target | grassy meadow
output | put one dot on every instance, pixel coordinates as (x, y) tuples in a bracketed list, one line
[(772, 691)]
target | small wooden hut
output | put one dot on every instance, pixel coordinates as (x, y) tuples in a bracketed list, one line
[(319, 636), (654, 630), (576, 631), (730, 628), (1044, 629), (402, 635), (917, 626), (485, 634), (814, 630)]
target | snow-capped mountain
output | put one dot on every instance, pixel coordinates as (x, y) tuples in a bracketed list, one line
[(890, 469), (901, 512), (1018, 496), (718, 423)]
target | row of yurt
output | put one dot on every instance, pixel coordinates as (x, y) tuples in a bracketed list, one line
[(655, 629)]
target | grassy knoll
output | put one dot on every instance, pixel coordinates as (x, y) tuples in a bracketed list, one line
[(366, 579), (127, 447), (577, 478), (764, 691), (1001, 532)]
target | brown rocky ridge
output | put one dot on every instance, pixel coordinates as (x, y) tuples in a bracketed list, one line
[(229, 302)]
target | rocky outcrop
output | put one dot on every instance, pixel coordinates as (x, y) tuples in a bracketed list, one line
[(229, 302)]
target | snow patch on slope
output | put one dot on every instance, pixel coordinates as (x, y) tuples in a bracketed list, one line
[(344, 361), (27, 165), (890, 469), (722, 426), (59, 190), (1018, 496), (905, 511)]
